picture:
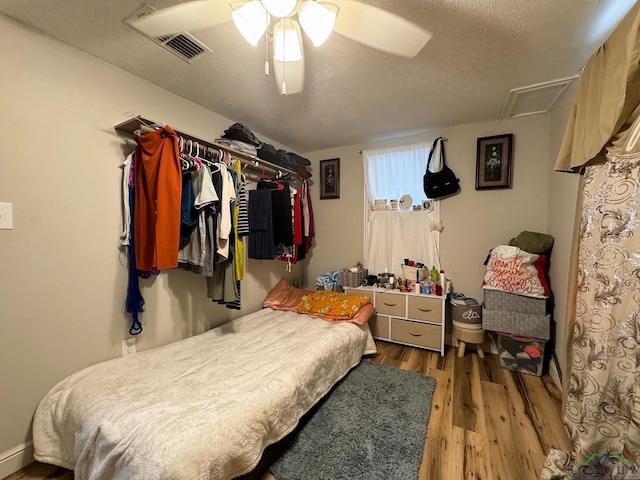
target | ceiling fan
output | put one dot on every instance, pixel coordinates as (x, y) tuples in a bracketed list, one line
[(364, 23)]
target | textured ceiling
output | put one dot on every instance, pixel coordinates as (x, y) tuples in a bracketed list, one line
[(480, 49)]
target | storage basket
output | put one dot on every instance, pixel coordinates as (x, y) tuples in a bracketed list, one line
[(500, 300), (409, 273), (353, 279), (468, 314), (468, 335), (521, 354), (527, 324)]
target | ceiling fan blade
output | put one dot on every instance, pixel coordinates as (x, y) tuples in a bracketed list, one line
[(292, 73), (379, 29), (189, 16)]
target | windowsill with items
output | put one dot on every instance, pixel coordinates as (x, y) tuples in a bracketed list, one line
[(405, 203)]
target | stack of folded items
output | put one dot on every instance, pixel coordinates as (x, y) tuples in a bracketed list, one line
[(289, 160), (238, 146), (240, 138), (277, 157), (240, 132), (301, 165)]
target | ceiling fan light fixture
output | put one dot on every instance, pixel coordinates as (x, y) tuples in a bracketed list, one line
[(251, 20), (279, 8), (287, 41), (317, 20)]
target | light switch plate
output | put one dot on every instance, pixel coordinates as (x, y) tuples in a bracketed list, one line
[(6, 216)]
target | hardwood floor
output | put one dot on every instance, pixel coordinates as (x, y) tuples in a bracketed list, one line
[(486, 423)]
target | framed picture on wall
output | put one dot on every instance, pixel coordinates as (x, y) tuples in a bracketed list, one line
[(330, 178), (494, 162)]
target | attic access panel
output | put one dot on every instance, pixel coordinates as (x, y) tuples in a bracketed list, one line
[(533, 99)]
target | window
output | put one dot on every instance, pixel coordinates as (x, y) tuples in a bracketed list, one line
[(391, 236), (393, 172)]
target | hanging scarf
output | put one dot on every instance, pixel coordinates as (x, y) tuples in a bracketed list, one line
[(134, 304)]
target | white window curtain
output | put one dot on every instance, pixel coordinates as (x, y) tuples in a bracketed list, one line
[(392, 236), (392, 172)]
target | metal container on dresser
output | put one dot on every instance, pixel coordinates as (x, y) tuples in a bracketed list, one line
[(407, 318)]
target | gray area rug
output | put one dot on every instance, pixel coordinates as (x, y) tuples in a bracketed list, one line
[(371, 426)]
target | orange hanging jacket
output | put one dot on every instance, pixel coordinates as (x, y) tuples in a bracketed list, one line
[(158, 191)]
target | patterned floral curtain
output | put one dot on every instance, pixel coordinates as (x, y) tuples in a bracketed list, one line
[(602, 379), (602, 410)]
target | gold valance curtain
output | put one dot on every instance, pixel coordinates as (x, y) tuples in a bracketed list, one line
[(608, 93)]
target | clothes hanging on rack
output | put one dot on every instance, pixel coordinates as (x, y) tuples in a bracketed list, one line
[(280, 211), (238, 252), (127, 181), (189, 206), (227, 196), (243, 212), (192, 254), (307, 209), (134, 302), (289, 237), (298, 228), (158, 190), (222, 286), (240, 204), (188, 214), (260, 225)]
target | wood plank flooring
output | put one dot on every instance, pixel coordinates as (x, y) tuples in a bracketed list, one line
[(486, 423)]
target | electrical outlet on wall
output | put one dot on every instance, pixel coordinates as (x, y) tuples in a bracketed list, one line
[(6, 216), (129, 347)]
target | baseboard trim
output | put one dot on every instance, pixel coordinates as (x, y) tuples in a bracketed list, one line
[(554, 373), (15, 459)]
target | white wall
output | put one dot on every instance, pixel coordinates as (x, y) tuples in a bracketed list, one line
[(562, 200), (338, 221), (63, 277), (474, 221)]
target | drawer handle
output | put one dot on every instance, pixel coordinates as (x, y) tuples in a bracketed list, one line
[(415, 334), (425, 309), (390, 304)]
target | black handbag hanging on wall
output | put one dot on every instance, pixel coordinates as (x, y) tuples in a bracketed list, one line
[(442, 183)]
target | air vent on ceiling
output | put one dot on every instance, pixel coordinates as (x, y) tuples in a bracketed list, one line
[(182, 44), (538, 98), (185, 46)]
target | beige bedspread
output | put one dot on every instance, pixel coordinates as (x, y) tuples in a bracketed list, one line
[(201, 408)]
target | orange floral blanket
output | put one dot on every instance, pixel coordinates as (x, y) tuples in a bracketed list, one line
[(332, 305)]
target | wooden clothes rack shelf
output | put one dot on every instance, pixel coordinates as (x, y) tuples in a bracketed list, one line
[(252, 162)]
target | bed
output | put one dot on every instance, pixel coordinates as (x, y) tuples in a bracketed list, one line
[(201, 408)]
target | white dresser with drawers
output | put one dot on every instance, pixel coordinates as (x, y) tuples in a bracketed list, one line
[(407, 318)]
